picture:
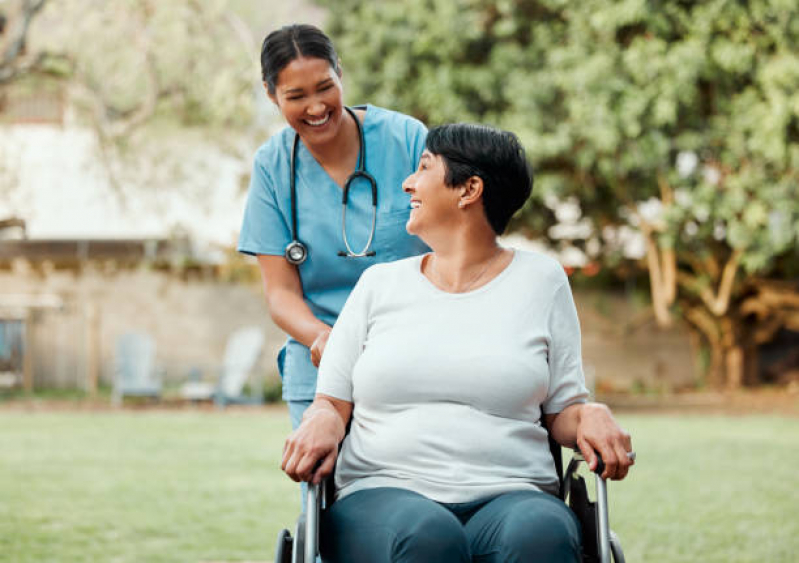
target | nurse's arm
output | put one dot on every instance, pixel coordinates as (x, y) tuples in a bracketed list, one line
[(287, 308), (310, 452)]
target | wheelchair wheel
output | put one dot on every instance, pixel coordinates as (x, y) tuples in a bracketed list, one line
[(615, 548), (299, 542), (284, 547)]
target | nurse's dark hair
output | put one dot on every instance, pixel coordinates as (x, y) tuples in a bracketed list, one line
[(497, 157), (290, 42)]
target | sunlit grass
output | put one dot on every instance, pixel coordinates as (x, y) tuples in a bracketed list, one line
[(203, 486)]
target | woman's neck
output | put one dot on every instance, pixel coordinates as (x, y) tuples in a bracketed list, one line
[(463, 263)]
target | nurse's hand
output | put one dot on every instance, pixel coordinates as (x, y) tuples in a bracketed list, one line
[(318, 346)]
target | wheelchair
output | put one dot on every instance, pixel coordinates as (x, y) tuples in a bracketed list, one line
[(600, 543)]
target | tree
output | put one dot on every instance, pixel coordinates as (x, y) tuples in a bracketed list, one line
[(140, 71), (679, 119), (14, 26)]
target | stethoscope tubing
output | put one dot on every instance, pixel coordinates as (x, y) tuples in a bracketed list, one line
[(297, 252)]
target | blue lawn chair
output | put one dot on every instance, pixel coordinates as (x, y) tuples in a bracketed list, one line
[(135, 371)]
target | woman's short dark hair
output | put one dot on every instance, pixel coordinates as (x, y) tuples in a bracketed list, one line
[(290, 42), (495, 156)]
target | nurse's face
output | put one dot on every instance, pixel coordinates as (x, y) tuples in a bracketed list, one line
[(434, 204), (309, 95)]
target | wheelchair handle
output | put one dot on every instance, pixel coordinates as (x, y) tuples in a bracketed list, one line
[(600, 463)]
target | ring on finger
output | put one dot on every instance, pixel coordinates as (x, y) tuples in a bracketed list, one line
[(631, 456)]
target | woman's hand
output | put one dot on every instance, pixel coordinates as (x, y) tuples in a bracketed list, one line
[(310, 452), (318, 345), (597, 430)]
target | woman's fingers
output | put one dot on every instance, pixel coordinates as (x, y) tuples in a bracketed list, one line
[(602, 433), (325, 468), (588, 452)]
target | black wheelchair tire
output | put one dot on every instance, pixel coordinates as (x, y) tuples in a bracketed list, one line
[(284, 545)]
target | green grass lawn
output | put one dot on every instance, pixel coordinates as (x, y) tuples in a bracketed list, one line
[(202, 486)]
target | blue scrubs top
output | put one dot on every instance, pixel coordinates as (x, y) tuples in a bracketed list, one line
[(393, 144)]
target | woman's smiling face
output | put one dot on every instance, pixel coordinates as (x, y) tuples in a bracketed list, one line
[(308, 93), (433, 202)]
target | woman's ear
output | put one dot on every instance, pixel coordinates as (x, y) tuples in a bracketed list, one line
[(471, 191), (339, 68)]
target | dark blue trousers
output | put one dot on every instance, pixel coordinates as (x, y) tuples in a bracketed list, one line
[(389, 525)]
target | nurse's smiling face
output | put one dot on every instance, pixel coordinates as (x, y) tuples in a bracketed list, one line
[(309, 95)]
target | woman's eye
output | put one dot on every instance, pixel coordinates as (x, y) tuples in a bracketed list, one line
[(324, 88)]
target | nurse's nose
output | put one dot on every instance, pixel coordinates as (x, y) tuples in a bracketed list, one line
[(316, 109)]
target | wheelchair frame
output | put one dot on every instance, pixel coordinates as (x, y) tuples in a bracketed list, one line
[(304, 546)]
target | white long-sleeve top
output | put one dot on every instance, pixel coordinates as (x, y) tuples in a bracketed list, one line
[(448, 387)]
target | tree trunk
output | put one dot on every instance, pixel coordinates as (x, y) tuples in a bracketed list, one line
[(734, 365), (725, 340)]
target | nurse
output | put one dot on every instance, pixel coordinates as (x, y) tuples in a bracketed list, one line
[(309, 266)]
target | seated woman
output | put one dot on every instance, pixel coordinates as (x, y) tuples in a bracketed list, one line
[(444, 363)]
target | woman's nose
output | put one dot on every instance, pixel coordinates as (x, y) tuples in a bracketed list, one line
[(407, 185)]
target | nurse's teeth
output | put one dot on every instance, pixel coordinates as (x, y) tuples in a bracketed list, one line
[(318, 122)]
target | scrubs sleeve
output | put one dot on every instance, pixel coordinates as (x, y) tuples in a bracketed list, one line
[(416, 136), (346, 343), (264, 229), (566, 379)]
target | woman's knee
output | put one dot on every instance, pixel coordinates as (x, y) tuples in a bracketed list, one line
[(394, 526), (554, 539), (526, 527), (434, 536)]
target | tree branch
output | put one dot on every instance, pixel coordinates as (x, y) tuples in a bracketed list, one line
[(717, 303), (9, 60)]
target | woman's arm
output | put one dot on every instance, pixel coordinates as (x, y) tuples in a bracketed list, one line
[(288, 309), (591, 427), (310, 452)]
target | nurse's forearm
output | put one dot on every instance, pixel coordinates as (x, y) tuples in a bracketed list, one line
[(290, 312), (283, 290)]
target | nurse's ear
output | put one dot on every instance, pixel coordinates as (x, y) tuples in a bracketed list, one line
[(339, 68), (271, 95)]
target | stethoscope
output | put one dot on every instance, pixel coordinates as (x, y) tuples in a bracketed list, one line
[(296, 251)]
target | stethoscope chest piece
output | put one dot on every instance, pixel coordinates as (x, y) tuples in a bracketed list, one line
[(296, 252)]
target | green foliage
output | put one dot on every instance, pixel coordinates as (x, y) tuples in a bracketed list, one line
[(185, 54), (607, 95)]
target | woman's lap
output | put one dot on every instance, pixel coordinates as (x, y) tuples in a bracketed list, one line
[(389, 525)]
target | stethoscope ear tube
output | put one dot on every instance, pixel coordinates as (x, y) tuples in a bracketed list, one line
[(296, 252)]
